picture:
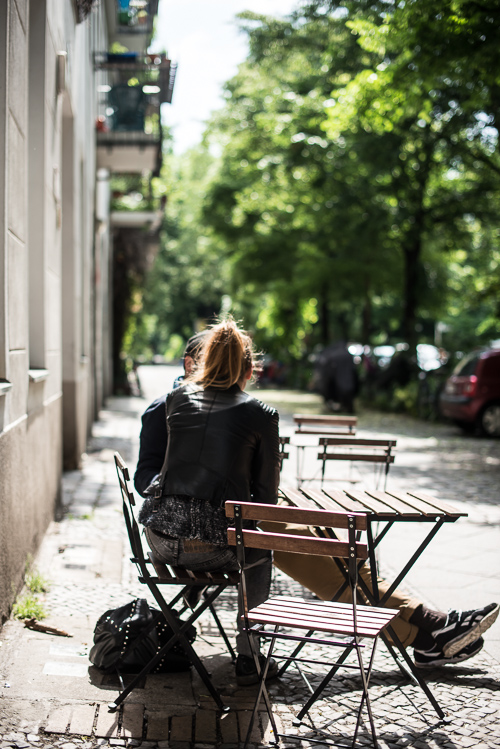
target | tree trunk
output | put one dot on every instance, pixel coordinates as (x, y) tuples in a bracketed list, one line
[(324, 319), (411, 277), (366, 315)]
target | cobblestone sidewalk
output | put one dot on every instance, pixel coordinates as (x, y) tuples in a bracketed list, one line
[(50, 695)]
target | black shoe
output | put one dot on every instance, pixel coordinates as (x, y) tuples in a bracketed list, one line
[(464, 627), (246, 673), (435, 657)]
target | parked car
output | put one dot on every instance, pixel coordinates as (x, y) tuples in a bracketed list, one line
[(471, 396)]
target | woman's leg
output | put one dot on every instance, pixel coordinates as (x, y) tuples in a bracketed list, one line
[(258, 571)]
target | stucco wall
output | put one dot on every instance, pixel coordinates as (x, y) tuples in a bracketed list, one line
[(47, 188), (30, 469)]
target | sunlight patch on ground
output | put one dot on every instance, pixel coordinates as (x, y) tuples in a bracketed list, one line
[(292, 401)]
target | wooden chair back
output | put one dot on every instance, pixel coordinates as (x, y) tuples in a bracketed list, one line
[(325, 424), (352, 522), (128, 504), (356, 449)]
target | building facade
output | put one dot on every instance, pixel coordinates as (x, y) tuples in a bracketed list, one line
[(56, 247)]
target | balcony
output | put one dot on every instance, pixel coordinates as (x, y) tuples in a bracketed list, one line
[(130, 22), (131, 89)]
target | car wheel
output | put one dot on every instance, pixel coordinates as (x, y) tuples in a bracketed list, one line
[(490, 420)]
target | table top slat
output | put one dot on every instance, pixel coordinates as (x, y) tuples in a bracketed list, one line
[(402, 508), (370, 503), (345, 501), (295, 497), (326, 503), (439, 504), (424, 508)]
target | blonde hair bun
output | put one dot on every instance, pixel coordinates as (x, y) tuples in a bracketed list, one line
[(226, 358)]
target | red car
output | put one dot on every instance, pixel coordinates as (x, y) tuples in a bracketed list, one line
[(471, 396)]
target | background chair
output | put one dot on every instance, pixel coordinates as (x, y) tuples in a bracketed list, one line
[(154, 574), (325, 424), (306, 622), (379, 452)]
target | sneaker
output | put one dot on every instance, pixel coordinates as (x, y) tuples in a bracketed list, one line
[(435, 657), (246, 673), (464, 627)]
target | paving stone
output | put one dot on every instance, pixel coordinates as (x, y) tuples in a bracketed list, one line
[(158, 723), (229, 728), (244, 717), (107, 723), (181, 729), (205, 727), (132, 721), (59, 719), (82, 720)]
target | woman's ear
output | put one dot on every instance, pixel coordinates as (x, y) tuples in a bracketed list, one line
[(249, 372)]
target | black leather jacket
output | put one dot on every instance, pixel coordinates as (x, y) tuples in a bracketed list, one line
[(221, 444)]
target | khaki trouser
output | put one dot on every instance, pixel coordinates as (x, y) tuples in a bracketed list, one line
[(322, 577)]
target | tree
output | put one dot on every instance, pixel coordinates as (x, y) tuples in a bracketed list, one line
[(297, 226), (187, 284)]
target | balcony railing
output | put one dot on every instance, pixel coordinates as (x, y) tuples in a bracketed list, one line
[(150, 70), (131, 89)]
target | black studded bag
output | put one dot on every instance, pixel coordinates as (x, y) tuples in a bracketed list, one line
[(127, 638)]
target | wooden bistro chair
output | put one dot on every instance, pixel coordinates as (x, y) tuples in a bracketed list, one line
[(155, 575), (343, 626), (326, 425), (379, 452)]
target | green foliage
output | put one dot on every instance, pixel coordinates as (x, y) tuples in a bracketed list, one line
[(28, 606), (185, 288), (36, 582), (355, 191)]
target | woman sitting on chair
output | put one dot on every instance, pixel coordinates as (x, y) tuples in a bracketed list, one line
[(222, 444)]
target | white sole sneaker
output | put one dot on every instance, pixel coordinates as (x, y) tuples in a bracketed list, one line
[(459, 643), (435, 659)]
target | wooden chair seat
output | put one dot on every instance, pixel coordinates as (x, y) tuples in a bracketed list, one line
[(323, 616), (180, 576)]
